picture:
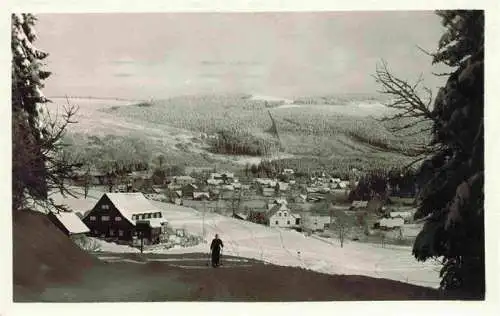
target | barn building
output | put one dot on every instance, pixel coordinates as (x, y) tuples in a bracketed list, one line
[(122, 216)]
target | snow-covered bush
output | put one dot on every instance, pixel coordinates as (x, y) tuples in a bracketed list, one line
[(86, 243)]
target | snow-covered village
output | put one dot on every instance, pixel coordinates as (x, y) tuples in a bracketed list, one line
[(247, 157)]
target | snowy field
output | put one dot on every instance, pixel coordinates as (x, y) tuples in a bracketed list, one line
[(283, 247)]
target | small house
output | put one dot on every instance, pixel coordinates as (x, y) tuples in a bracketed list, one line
[(281, 216), (312, 190), (316, 222), (227, 187), (358, 205), (334, 180), (266, 182), (183, 180), (175, 196), (391, 223), (201, 196), (69, 223), (223, 177), (288, 172), (405, 215), (246, 187), (215, 182), (279, 201), (315, 197), (283, 186), (343, 185), (240, 216), (268, 192), (301, 198), (188, 190)]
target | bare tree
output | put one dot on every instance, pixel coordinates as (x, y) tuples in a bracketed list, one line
[(340, 222), (58, 164), (411, 109), (236, 202)]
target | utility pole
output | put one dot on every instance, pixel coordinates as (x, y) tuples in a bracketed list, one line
[(203, 227), (142, 241)]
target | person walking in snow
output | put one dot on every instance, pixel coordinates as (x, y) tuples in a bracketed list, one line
[(215, 248)]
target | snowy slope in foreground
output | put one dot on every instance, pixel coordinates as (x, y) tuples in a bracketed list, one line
[(282, 247)]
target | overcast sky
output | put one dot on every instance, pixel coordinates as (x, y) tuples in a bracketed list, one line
[(278, 54)]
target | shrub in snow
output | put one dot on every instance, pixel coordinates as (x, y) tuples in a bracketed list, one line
[(86, 243)]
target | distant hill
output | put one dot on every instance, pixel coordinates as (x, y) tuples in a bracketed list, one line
[(338, 133)]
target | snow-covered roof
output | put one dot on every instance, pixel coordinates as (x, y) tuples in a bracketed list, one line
[(275, 208), (228, 187), (343, 184), (72, 222), (392, 222), (154, 222), (214, 181), (266, 181), (283, 186), (241, 215), (312, 190), (280, 201), (296, 215), (131, 204), (359, 203), (199, 194), (400, 213)]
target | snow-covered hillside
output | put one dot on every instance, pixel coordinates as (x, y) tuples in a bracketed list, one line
[(290, 248)]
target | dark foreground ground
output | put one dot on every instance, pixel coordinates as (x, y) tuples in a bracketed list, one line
[(48, 267), (140, 279)]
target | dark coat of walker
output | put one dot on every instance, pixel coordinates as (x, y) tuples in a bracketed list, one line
[(215, 247)]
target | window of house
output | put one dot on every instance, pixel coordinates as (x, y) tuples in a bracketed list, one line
[(276, 222), (105, 207), (143, 216), (149, 215), (111, 232), (288, 222), (285, 214), (93, 218), (120, 232), (279, 213), (96, 232), (118, 218), (105, 218)]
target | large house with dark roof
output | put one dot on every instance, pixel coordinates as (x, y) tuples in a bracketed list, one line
[(122, 216)]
